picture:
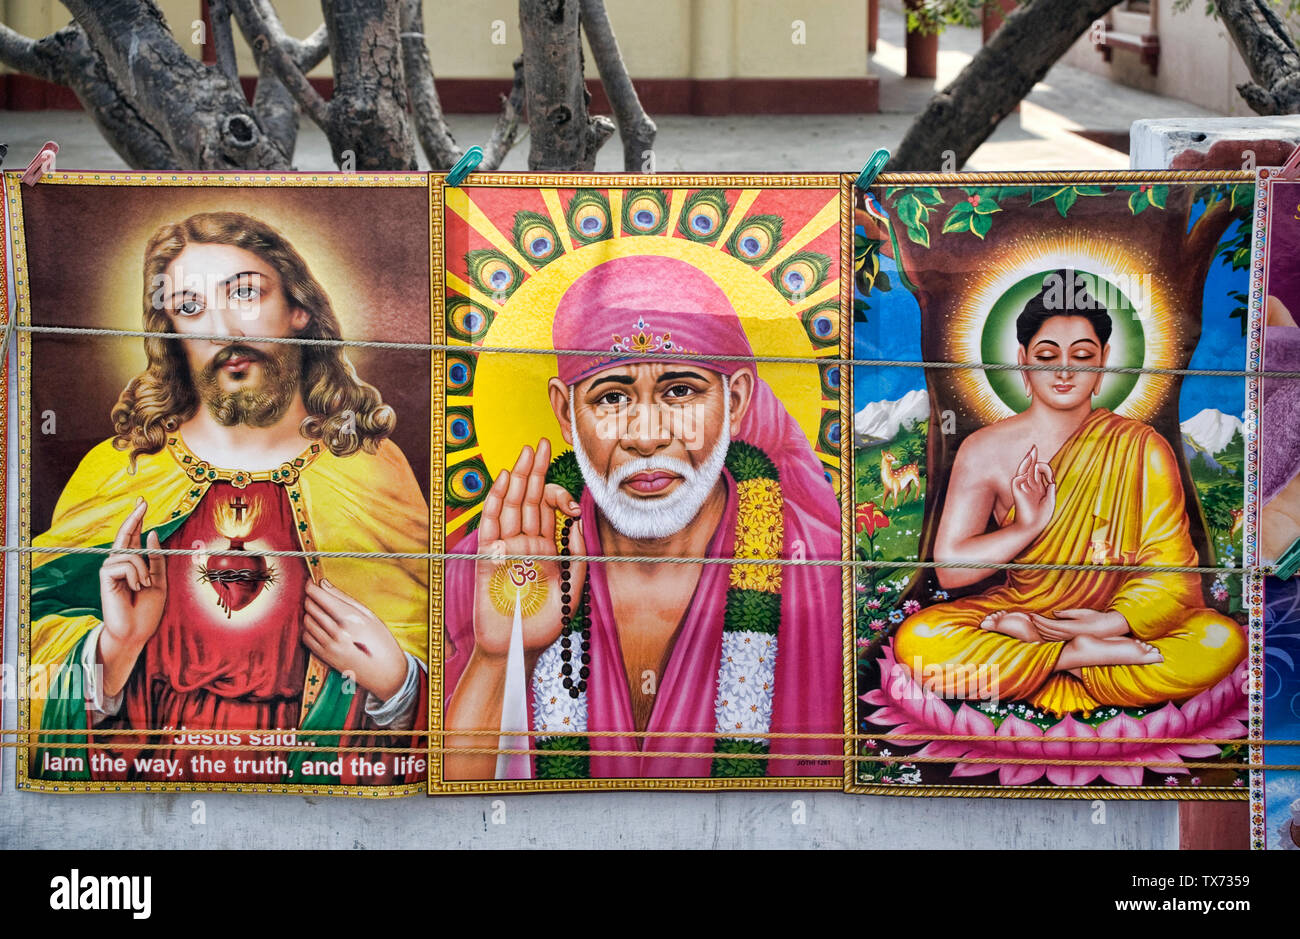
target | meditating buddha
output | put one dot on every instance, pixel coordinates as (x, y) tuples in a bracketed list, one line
[(1063, 482)]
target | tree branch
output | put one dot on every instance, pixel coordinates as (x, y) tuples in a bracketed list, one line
[(66, 58), (430, 125), (565, 136), (1270, 53), (275, 50), (962, 116), (634, 126), (223, 39), (507, 126)]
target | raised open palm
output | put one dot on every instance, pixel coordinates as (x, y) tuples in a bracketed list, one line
[(519, 518)]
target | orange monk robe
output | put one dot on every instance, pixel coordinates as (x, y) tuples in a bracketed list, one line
[(1119, 500)]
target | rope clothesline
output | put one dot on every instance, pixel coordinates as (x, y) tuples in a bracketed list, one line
[(653, 356), (661, 734), (682, 754), (640, 559)]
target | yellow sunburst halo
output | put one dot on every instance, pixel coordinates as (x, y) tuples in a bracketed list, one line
[(509, 396), (1132, 272), (518, 582)]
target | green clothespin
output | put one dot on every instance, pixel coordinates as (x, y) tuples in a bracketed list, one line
[(465, 165), (1289, 562), (872, 168)]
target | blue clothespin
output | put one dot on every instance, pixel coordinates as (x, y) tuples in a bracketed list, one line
[(465, 165), (872, 168), (1289, 562)]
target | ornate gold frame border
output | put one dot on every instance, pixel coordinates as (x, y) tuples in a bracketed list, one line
[(992, 790), (835, 182), (13, 192)]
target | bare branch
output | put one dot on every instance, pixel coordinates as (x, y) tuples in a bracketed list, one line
[(634, 126), (223, 39), (311, 51), (1270, 53), (506, 128), (66, 58), (430, 125), (962, 116), (20, 53), (274, 47)]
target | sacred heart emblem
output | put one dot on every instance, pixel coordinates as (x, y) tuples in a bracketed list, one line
[(236, 579)]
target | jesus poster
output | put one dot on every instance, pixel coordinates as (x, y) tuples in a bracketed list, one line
[(190, 413), (1075, 531), (639, 426)]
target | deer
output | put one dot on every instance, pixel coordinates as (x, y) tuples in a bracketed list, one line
[(898, 480)]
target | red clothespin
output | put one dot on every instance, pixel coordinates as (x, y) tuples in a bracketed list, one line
[(41, 164), (1288, 170)]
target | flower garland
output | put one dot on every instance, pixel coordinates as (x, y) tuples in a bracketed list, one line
[(747, 668)]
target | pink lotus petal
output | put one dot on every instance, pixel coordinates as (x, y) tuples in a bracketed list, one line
[(1166, 722), (967, 720), (1121, 725), (1196, 751), (1122, 775), (973, 769), (1013, 727), (1227, 729), (874, 696), (887, 717), (945, 749), (1071, 775), (1020, 774), (938, 715)]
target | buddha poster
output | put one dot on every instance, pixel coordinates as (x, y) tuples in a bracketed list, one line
[(608, 398), (1056, 542), (189, 412)]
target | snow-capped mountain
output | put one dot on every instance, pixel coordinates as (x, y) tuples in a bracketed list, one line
[(1210, 431), (882, 421)]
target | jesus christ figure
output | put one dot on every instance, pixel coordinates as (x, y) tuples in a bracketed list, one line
[(234, 445), (673, 458)]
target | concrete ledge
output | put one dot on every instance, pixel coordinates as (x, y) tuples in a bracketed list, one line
[(1212, 143)]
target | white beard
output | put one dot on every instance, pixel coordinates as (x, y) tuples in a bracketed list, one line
[(663, 516)]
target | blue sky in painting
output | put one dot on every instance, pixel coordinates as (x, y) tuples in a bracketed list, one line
[(893, 331)]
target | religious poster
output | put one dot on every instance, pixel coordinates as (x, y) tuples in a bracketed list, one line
[(1056, 606), (619, 459), (196, 421), (1275, 709)]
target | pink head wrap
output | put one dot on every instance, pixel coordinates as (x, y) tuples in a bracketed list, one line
[(630, 306)]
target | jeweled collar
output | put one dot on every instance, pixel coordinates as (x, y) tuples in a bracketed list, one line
[(201, 471)]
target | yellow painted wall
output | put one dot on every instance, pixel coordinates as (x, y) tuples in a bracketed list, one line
[(659, 38)]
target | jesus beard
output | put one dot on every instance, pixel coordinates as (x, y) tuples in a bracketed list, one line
[(257, 406), (664, 516)]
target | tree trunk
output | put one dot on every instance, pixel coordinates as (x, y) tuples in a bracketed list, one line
[(634, 125), (367, 113), (962, 116), (202, 117), (1271, 55), (435, 137), (564, 136)]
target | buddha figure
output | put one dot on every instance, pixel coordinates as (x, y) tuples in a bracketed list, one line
[(1064, 482)]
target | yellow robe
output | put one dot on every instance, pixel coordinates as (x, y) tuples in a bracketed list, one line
[(362, 502), (1119, 500)]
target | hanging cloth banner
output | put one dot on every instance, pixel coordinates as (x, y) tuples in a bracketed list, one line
[(371, 485), (241, 446), (1059, 515), (1275, 305)]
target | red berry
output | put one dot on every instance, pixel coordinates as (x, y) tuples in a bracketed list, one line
[(974, 200)]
